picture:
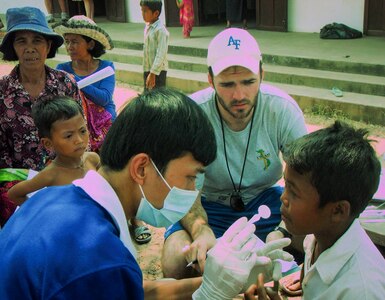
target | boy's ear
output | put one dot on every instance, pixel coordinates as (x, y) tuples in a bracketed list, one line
[(340, 211), (137, 167), (157, 13), (47, 143)]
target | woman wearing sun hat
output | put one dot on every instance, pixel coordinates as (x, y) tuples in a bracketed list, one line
[(85, 43), (29, 41)]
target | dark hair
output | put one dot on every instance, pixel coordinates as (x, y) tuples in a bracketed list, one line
[(260, 70), (341, 163), (9, 53), (163, 123), (48, 111), (153, 5), (98, 50)]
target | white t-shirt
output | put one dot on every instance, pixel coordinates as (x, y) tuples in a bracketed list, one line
[(278, 120)]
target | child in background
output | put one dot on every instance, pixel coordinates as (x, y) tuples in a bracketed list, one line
[(155, 46), (330, 176), (186, 16), (62, 129)]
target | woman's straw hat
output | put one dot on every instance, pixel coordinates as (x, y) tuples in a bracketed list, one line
[(84, 26)]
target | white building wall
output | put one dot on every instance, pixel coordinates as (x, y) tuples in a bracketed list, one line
[(5, 4), (134, 14), (312, 15)]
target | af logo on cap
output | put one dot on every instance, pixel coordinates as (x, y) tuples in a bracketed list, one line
[(234, 42)]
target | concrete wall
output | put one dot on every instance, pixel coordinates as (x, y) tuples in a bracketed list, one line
[(5, 4), (134, 14), (312, 15)]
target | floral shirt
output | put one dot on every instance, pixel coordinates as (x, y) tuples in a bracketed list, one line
[(20, 145)]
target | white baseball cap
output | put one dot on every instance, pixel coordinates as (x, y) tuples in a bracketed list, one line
[(233, 47)]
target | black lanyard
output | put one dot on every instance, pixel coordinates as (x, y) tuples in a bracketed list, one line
[(236, 201)]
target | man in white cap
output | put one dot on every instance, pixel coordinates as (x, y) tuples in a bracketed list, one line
[(253, 123)]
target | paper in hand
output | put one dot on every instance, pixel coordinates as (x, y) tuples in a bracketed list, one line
[(95, 77)]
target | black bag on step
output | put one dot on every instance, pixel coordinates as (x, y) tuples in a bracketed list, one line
[(339, 31)]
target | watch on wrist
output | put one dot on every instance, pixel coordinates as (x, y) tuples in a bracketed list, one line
[(285, 233)]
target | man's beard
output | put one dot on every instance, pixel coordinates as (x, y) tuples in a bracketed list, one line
[(240, 113)]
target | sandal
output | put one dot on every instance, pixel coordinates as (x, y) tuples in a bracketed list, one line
[(142, 234), (337, 92)]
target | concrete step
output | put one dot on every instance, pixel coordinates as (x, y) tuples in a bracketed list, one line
[(356, 106), (341, 65), (134, 56), (347, 82), (359, 107)]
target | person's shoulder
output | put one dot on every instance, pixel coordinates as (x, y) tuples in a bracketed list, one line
[(7, 78), (276, 98), (203, 96), (48, 172), (161, 27), (270, 90), (364, 276), (64, 66), (54, 73), (107, 63), (92, 160)]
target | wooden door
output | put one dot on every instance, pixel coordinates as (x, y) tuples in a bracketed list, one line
[(271, 15), (171, 12), (374, 18), (116, 10)]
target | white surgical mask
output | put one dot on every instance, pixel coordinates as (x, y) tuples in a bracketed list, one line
[(176, 205)]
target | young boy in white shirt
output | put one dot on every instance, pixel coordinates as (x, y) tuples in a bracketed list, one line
[(330, 176), (155, 45)]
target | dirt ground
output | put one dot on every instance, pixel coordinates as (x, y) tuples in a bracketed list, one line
[(149, 254)]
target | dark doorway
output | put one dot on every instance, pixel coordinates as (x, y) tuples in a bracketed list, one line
[(271, 15), (374, 18), (115, 10), (207, 12), (214, 12)]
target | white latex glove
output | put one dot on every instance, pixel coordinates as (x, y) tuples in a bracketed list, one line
[(267, 261), (229, 263)]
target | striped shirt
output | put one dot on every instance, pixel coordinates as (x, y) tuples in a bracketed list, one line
[(155, 48)]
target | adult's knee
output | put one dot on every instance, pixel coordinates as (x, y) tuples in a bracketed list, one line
[(173, 260)]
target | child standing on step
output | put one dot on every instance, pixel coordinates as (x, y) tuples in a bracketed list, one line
[(186, 16), (62, 128), (155, 46)]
